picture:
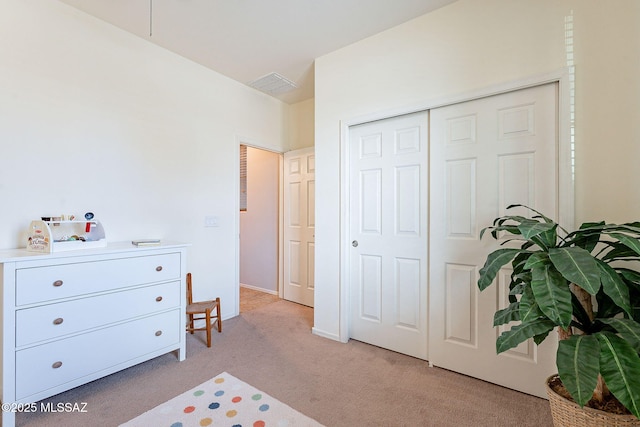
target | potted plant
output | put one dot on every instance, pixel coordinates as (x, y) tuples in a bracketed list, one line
[(585, 284)]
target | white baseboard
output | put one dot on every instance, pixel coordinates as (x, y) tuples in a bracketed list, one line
[(256, 288), (325, 334)]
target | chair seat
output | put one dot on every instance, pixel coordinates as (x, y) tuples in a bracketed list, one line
[(201, 307)]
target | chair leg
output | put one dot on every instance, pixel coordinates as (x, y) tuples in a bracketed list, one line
[(191, 323), (208, 320), (219, 315)]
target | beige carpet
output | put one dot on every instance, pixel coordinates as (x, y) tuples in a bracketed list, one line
[(336, 384), (251, 299)]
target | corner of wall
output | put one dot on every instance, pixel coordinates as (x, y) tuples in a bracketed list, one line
[(301, 126)]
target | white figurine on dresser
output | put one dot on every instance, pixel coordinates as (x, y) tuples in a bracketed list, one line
[(72, 317)]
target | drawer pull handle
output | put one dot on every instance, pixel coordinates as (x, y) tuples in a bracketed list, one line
[(159, 268), (57, 283), (158, 299), (158, 333), (58, 321), (56, 365)]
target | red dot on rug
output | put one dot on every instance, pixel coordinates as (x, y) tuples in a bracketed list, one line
[(236, 399), (189, 409), (259, 423)]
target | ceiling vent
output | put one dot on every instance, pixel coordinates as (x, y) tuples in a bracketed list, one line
[(273, 84)]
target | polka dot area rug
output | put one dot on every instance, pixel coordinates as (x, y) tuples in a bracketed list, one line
[(222, 401)]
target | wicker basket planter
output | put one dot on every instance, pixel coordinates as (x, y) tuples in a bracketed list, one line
[(566, 413)]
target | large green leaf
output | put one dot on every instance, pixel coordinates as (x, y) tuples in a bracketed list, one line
[(523, 277), (528, 228), (517, 288), (618, 251), (520, 260), (529, 309), (606, 307), (493, 264), (628, 241), (578, 266), (517, 205), (620, 368), (541, 337), (614, 287), (581, 319), (537, 260), (579, 365), (632, 229), (509, 228), (550, 237), (505, 223), (587, 237), (542, 233), (520, 333), (628, 329), (552, 294), (630, 275), (512, 218), (506, 315)]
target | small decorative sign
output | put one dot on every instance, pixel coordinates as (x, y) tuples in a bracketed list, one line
[(39, 237)]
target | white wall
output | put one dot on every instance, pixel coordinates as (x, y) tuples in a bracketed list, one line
[(95, 119), (470, 45), (301, 125), (259, 224)]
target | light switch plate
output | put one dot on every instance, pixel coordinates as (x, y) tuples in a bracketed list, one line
[(211, 221)]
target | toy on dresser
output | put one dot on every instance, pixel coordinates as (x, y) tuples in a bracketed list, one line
[(55, 234)]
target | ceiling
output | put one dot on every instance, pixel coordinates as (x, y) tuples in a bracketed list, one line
[(248, 39)]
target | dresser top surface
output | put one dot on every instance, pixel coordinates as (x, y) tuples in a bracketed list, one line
[(22, 254)]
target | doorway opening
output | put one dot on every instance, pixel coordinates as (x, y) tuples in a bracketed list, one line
[(259, 273)]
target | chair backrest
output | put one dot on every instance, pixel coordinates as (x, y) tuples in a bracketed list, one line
[(189, 296)]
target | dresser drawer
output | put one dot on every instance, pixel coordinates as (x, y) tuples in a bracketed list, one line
[(39, 284), (68, 317), (53, 364)]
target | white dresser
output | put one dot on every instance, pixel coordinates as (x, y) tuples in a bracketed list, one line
[(72, 317)]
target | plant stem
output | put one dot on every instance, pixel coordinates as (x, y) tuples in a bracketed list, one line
[(586, 300), (601, 390), (564, 334)]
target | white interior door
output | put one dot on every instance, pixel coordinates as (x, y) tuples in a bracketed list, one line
[(388, 225), (299, 225), (485, 155)]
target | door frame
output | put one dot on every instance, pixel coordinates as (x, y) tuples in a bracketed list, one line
[(566, 204)]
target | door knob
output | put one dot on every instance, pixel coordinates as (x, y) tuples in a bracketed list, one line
[(354, 243)]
